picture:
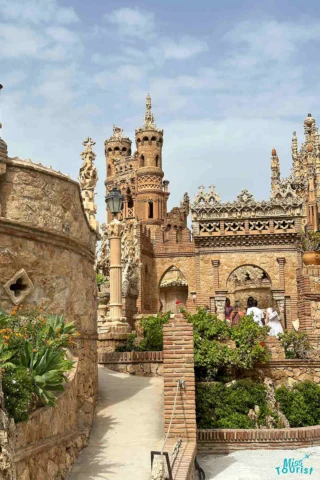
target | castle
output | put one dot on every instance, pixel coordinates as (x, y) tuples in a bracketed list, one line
[(236, 249)]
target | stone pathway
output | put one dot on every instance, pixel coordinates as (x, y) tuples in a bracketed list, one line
[(127, 426), (260, 465)]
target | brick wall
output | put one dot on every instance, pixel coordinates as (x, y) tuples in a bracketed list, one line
[(218, 441), (178, 363)]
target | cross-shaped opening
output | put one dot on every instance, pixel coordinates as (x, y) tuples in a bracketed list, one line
[(18, 287)]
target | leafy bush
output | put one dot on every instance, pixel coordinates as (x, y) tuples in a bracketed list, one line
[(221, 350), (34, 342), (221, 406), (152, 340), (296, 345), (17, 389), (301, 404)]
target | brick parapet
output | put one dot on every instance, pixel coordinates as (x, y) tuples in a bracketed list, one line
[(228, 440)]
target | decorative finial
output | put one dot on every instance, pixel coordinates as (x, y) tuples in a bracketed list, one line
[(149, 118), (274, 152)]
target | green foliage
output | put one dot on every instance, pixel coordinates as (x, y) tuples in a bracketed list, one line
[(310, 241), (296, 345), (221, 350), (101, 279), (34, 342), (131, 344), (17, 388), (301, 404), (221, 406), (152, 340)]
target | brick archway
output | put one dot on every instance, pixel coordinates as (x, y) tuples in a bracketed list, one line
[(173, 287), (249, 280)]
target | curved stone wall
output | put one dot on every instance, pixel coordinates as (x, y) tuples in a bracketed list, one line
[(45, 234)]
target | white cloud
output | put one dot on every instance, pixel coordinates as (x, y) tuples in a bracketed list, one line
[(37, 12), (181, 49), (52, 44), (132, 22)]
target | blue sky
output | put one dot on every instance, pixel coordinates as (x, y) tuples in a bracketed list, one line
[(229, 81)]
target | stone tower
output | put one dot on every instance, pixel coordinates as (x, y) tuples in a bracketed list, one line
[(117, 152), (152, 194)]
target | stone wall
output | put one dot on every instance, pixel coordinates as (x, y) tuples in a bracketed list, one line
[(47, 242), (287, 372)]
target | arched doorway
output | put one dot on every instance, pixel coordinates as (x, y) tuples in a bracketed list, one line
[(249, 280), (173, 288)]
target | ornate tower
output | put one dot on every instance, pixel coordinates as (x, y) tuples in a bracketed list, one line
[(152, 194), (117, 152), (116, 148)]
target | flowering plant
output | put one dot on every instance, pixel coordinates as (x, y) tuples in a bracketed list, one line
[(33, 345)]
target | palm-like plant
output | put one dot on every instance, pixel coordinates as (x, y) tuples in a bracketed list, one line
[(47, 368)]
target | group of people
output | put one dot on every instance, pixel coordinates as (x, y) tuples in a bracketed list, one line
[(262, 317)]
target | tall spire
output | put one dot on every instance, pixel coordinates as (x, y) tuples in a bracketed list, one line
[(148, 118)]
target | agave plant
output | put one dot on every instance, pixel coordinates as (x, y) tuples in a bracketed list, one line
[(48, 369)]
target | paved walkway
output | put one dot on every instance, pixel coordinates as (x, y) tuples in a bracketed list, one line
[(127, 426), (261, 465)]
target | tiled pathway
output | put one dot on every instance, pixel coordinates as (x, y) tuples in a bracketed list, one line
[(127, 426)]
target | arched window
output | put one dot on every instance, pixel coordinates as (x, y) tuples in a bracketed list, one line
[(124, 149), (138, 140), (150, 209), (154, 139), (157, 160), (142, 161), (116, 149), (109, 149), (145, 139), (130, 203)]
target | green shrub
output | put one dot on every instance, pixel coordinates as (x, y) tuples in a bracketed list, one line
[(17, 389), (296, 345), (219, 406), (215, 356), (301, 404), (152, 340), (131, 344)]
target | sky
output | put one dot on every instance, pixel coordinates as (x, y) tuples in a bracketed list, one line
[(229, 80)]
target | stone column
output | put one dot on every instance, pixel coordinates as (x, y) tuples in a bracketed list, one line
[(281, 262), (115, 230), (220, 301)]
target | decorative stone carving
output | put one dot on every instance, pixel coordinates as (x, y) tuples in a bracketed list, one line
[(248, 276), (88, 178), (130, 258), (220, 303), (207, 206), (19, 287), (115, 229)]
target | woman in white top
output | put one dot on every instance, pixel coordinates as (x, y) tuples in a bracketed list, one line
[(255, 311), (274, 322)]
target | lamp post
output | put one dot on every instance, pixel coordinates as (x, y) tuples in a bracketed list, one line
[(115, 202)]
